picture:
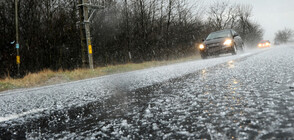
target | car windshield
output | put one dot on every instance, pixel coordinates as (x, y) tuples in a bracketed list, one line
[(221, 34), (264, 41)]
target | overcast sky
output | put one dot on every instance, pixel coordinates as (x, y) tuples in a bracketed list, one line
[(272, 15)]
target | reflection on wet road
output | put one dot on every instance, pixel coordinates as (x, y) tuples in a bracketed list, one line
[(247, 98)]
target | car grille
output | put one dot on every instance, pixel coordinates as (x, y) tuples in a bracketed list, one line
[(213, 45)]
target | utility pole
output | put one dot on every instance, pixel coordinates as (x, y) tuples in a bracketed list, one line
[(17, 39), (85, 30), (88, 34), (82, 34)]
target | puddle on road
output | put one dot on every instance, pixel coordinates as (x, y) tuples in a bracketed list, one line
[(231, 64)]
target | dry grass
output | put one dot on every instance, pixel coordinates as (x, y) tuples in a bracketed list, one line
[(30, 80), (49, 77)]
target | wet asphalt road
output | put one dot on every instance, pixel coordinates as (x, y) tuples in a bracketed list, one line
[(251, 97)]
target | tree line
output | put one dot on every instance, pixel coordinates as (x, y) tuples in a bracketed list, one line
[(284, 36), (124, 31), (48, 35)]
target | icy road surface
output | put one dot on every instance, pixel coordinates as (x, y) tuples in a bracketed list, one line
[(247, 96)]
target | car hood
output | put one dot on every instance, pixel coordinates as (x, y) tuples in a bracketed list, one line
[(214, 41)]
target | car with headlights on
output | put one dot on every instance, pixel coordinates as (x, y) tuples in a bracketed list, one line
[(264, 44), (219, 42)]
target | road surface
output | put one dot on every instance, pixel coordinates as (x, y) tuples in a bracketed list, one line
[(246, 96)]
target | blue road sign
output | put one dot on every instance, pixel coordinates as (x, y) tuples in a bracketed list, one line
[(17, 46)]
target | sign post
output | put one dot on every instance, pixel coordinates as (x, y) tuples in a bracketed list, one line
[(16, 36)]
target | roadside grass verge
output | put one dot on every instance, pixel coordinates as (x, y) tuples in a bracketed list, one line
[(49, 77)]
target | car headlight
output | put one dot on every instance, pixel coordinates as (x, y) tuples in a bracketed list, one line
[(259, 45), (228, 42), (267, 44), (201, 46)]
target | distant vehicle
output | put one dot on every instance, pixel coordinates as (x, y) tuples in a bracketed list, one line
[(224, 41), (277, 43), (264, 44)]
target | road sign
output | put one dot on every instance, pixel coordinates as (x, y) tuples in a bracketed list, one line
[(90, 49), (17, 59), (17, 46)]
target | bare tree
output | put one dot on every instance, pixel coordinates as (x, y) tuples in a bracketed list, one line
[(244, 13), (222, 15), (283, 36), (250, 31)]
